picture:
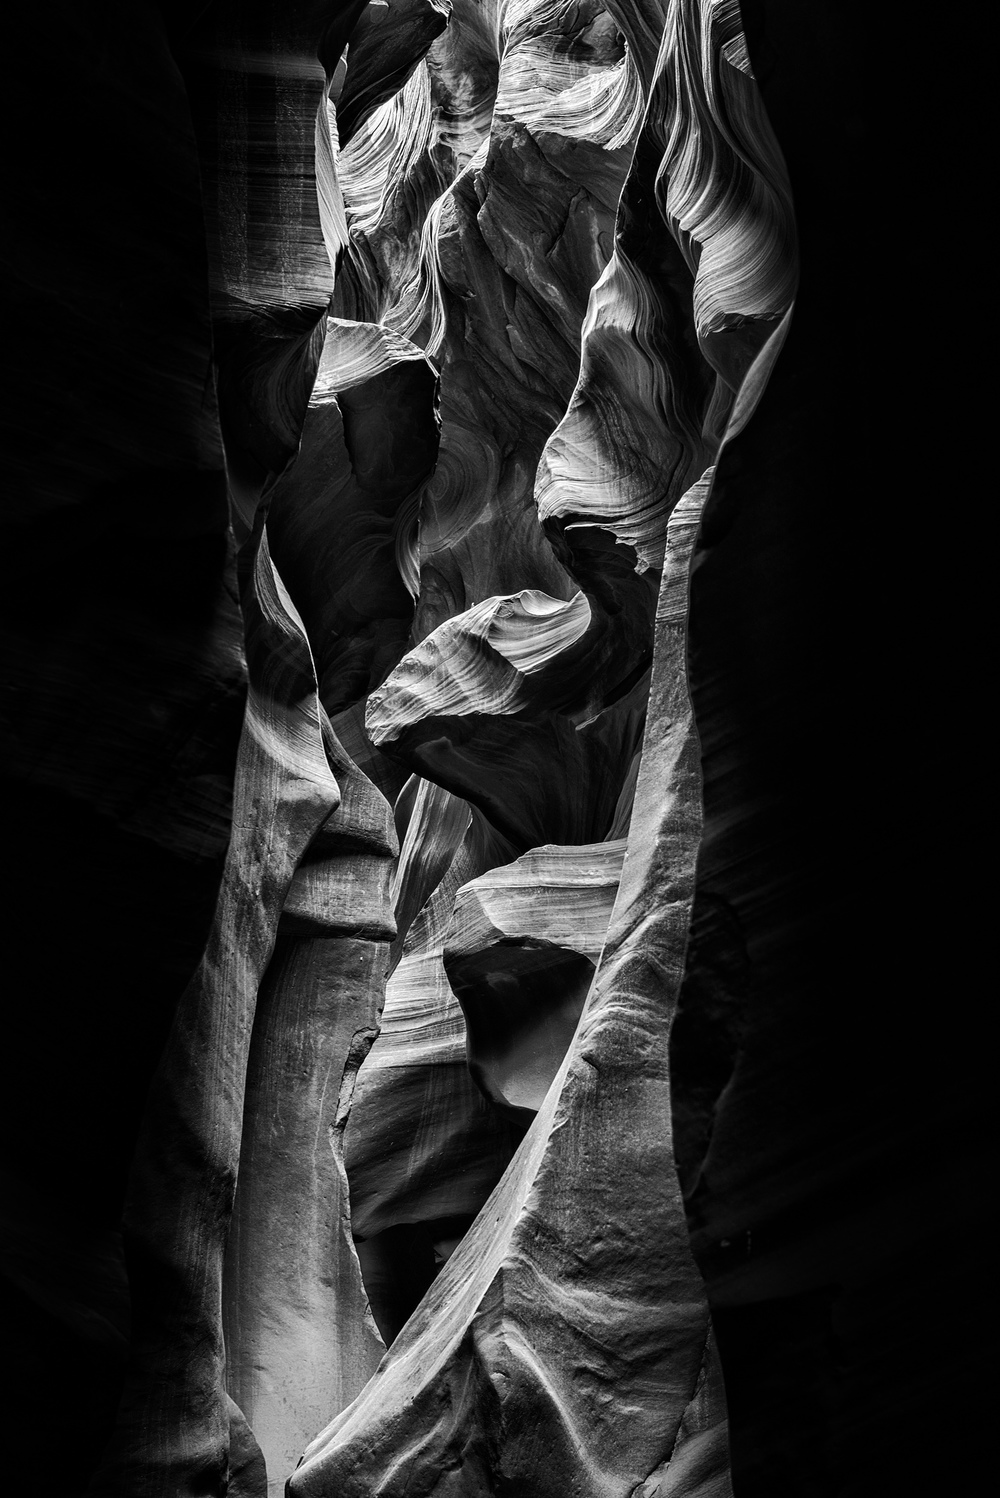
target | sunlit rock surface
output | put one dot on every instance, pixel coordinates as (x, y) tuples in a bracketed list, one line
[(453, 1053)]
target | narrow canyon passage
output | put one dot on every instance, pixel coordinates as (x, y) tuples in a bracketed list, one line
[(487, 291), (416, 637)]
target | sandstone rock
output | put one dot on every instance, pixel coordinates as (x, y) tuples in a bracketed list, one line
[(520, 955), (469, 311), (297, 1328), (423, 1149), (543, 1307), (173, 1426)]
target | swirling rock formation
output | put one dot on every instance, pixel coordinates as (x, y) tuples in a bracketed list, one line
[(297, 1330), (565, 1289), (520, 956), (416, 665), (423, 1148)]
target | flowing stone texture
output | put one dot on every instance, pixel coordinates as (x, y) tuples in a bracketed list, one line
[(431, 1078)]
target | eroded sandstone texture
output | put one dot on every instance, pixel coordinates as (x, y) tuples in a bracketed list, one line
[(406, 709)]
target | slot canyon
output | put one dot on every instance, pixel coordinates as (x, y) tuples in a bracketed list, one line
[(461, 1040)]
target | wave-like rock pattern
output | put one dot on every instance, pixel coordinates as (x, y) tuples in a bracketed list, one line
[(485, 287), (520, 955), (643, 423), (423, 1148), (483, 258), (481, 1342), (298, 1333), (478, 662), (573, 1281), (493, 1340)]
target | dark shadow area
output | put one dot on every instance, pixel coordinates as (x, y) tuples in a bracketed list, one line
[(400, 1264), (521, 1007)]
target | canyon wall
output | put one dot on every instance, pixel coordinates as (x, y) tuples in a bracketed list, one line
[(464, 1045)]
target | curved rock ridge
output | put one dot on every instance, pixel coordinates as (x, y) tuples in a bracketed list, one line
[(339, 513), (507, 272), (451, 674), (456, 705), (354, 352), (593, 93), (380, 58), (581, 800), (531, 629), (398, 164), (708, 157), (627, 448), (520, 954), (554, 896), (389, 182), (504, 279), (722, 186)]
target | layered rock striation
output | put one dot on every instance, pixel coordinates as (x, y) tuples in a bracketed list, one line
[(372, 712)]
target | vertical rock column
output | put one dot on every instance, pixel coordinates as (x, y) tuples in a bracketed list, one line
[(255, 86), (423, 1148), (173, 1431)]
